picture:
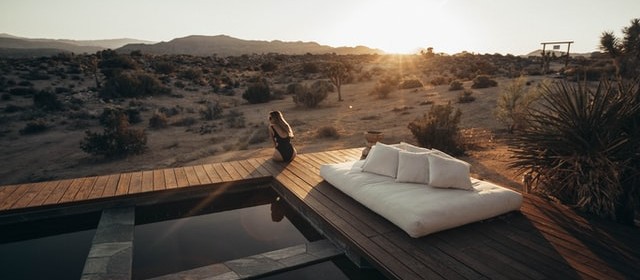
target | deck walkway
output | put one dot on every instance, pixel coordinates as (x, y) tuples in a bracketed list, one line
[(543, 240)]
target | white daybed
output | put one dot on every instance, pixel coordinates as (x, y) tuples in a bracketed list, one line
[(422, 191)]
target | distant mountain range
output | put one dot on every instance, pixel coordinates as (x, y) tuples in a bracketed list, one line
[(221, 45)]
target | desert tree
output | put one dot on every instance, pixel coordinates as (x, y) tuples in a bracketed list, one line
[(338, 73), (625, 51)]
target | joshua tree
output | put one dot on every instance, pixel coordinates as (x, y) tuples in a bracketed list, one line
[(625, 52), (338, 73)]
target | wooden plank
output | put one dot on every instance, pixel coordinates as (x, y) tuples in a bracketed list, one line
[(112, 185), (58, 192), (170, 178), (46, 189), (254, 172), (378, 255), (212, 174), (192, 178), (410, 261), (255, 163), (123, 184), (202, 175), (181, 177), (135, 186), (147, 181), (222, 172), (158, 180), (231, 171), (30, 192), (244, 174), (98, 188), (85, 188), (72, 190)]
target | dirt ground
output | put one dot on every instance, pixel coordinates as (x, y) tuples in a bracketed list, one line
[(56, 153)]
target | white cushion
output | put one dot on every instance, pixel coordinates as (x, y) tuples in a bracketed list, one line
[(445, 172), (412, 148), (382, 160), (418, 209), (413, 168)]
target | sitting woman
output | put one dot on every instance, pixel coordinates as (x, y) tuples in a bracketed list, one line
[(281, 135)]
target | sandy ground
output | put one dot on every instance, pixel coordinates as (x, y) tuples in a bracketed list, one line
[(55, 154)]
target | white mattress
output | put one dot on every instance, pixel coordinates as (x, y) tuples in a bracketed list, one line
[(420, 209)]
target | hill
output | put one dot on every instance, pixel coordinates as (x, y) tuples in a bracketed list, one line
[(224, 45), (14, 46)]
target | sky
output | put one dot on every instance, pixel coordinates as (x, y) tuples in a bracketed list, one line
[(395, 26)]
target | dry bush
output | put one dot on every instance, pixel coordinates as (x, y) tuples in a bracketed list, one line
[(328, 132), (158, 120), (466, 96), (456, 85)]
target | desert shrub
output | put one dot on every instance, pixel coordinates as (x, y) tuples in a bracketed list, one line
[(293, 88), (328, 132), (455, 85), (23, 91), (235, 119), (581, 147), (211, 111), (191, 74), (439, 80), (186, 121), (6, 97), (47, 101), (483, 81), (411, 83), (36, 75), (386, 85), (310, 68), (439, 129), (311, 96), (268, 66), (12, 108), (170, 112), (133, 84), (258, 136), (33, 127), (117, 138), (164, 67), (158, 120), (257, 92), (466, 96), (25, 84), (514, 103)]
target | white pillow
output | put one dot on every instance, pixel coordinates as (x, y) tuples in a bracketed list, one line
[(382, 160), (412, 148), (413, 168), (445, 172)]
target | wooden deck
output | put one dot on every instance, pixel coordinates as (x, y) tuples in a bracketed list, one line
[(543, 240)]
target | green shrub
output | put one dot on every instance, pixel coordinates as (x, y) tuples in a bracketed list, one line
[(456, 85), (116, 140), (581, 146), (257, 92), (514, 103), (439, 129), (483, 81)]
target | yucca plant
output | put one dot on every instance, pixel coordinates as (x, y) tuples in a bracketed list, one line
[(582, 146)]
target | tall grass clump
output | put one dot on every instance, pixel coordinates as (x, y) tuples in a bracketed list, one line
[(439, 129), (582, 146)]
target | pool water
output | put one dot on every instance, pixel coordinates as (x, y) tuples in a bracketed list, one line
[(179, 236), (47, 249)]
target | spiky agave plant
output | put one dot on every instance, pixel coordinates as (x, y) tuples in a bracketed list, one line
[(581, 146)]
